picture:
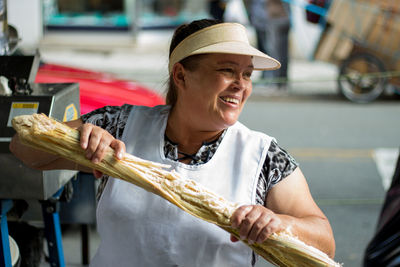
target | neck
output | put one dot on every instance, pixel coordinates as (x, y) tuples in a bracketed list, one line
[(189, 138)]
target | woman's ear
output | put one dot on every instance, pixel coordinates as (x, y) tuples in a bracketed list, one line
[(178, 74)]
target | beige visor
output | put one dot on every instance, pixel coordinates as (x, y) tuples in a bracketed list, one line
[(227, 38)]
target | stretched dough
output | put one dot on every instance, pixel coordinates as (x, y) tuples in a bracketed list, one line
[(281, 249)]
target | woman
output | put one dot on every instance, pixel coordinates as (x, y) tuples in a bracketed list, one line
[(198, 134)]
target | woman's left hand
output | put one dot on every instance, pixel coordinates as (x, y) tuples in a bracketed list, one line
[(298, 212), (255, 223)]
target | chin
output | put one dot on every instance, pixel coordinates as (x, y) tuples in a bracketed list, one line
[(226, 119), (230, 121)]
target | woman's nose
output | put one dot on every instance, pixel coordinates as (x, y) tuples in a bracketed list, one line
[(240, 80)]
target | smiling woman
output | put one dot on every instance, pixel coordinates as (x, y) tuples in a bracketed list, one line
[(216, 102), (198, 134)]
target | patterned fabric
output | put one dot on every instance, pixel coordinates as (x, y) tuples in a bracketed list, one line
[(205, 153), (112, 119), (278, 163)]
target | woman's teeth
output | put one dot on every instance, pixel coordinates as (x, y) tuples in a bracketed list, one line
[(230, 100)]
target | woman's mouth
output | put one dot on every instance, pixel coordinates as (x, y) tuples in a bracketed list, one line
[(230, 100)]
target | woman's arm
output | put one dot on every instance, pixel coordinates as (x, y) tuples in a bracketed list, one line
[(93, 140), (289, 206), (38, 159)]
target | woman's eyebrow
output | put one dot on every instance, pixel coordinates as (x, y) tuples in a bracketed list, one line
[(232, 63)]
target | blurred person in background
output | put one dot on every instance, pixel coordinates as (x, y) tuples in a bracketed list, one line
[(271, 20), (198, 134), (217, 8), (383, 249)]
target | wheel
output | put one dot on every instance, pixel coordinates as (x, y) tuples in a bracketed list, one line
[(359, 78)]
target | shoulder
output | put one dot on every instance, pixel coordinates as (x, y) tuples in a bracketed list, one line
[(245, 132), (160, 109), (110, 118), (279, 162), (144, 114), (109, 113), (98, 115), (277, 166)]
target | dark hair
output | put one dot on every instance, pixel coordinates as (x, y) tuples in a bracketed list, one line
[(180, 34)]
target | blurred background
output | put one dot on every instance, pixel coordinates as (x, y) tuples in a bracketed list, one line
[(336, 109)]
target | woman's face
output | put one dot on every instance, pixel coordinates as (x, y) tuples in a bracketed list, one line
[(214, 92)]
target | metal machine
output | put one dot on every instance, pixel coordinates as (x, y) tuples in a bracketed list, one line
[(20, 96), (60, 101)]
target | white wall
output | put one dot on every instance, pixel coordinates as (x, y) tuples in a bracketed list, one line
[(26, 17)]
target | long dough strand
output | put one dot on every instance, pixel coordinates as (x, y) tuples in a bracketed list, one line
[(281, 249)]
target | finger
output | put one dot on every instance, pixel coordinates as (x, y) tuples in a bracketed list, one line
[(258, 226), (119, 148), (272, 227), (239, 214), (247, 223), (97, 174), (85, 133), (94, 140), (100, 151)]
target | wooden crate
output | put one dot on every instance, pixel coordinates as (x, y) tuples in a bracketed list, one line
[(370, 23), (385, 35), (385, 40), (349, 21), (385, 5)]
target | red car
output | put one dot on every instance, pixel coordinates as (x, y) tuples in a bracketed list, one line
[(99, 89)]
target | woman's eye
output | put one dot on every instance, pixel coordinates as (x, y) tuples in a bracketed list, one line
[(226, 70), (247, 74)]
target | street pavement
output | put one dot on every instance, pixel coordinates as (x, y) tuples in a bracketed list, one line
[(347, 151), (335, 143)]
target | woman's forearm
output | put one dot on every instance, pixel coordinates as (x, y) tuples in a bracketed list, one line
[(31, 157), (312, 230), (291, 200), (41, 160)]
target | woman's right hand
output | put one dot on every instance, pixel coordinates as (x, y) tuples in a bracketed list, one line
[(94, 140)]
